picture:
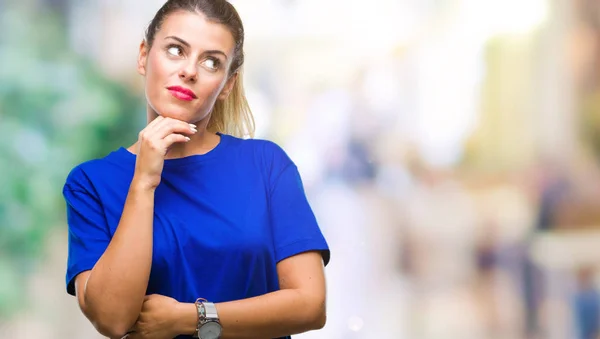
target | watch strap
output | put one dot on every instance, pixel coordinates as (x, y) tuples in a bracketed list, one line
[(201, 311), (207, 312), (210, 312)]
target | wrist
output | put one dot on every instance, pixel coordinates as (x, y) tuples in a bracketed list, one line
[(142, 185), (186, 319)]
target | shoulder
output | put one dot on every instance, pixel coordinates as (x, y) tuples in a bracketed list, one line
[(263, 147), (269, 152), (78, 178), (83, 176), (78, 188)]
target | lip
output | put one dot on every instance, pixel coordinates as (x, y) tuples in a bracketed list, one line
[(182, 93)]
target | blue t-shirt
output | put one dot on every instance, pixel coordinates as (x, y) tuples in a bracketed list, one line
[(222, 220)]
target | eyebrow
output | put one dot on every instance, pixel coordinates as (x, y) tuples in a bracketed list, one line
[(185, 43)]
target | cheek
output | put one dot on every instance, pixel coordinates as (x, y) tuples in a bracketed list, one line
[(156, 75), (157, 72), (209, 86)]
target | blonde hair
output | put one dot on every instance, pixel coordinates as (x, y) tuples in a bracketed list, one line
[(233, 115)]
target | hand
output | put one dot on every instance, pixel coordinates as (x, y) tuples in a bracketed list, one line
[(157, 319), (153, 144)]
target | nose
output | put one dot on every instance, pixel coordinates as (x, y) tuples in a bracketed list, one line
[(189, 72)]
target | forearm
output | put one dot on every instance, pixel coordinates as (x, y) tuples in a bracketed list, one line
[(272, 315), (116, 287)]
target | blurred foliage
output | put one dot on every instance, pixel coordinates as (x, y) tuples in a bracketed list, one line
[(56, 110)]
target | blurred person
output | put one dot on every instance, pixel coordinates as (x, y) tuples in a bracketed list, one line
[(494, 284), (193, 231), (586, 304), (553, 189)]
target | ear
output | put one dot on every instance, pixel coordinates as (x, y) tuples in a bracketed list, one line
[(228, 86), (142, 58)]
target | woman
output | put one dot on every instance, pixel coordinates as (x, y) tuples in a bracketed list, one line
[(191, 231)]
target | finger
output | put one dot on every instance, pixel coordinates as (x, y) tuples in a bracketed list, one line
[(159, 124), (151, 127), (151, 296), (170, 139), (174, 126)]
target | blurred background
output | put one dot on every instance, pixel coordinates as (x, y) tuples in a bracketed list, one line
[(450, 150)]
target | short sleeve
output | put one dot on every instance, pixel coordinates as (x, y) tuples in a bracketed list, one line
[(88, 234), (295, 228)]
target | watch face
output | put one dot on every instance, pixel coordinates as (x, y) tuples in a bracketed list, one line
[(210, 330)]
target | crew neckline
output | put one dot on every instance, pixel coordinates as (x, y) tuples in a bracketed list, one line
[(124, 154)]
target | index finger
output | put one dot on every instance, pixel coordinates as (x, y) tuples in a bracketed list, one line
[(169, 126), (152, 125)]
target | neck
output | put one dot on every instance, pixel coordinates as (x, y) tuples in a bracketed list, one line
[(200, 143)]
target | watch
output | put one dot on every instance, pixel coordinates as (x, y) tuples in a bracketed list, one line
[(209, 326)]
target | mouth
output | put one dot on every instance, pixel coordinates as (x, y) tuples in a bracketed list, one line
[(182, 93)]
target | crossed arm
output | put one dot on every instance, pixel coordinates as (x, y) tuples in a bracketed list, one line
[(112, 294)]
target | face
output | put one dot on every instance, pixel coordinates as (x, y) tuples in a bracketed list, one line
[(186, 69)]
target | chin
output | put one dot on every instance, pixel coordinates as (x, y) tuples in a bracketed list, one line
[(176, 115), (176, 112)]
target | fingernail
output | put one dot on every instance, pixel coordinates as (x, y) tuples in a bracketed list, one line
[(192, 126), (187, 139)]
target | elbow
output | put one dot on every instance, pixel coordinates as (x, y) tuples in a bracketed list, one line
[(319, 321), (111, 330), (109, 324), (318, 315), (110, 318)]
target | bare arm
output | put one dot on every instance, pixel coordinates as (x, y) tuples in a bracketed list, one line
[(298, 307), (112, 293)]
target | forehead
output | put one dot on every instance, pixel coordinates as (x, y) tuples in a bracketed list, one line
[(198, 31)]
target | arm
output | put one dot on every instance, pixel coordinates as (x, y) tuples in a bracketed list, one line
[(298, 307), (112, 293)]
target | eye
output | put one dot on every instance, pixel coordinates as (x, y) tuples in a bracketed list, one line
[(212, 63), (174, 50)]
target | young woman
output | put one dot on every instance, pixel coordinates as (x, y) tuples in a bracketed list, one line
[(193, 231)]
